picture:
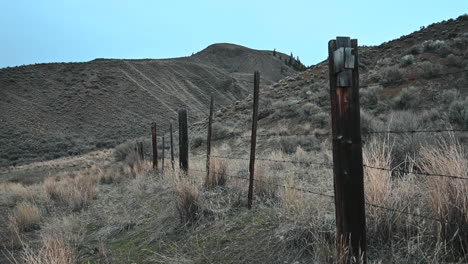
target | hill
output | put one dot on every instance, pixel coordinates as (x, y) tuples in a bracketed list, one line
[(59, 109)]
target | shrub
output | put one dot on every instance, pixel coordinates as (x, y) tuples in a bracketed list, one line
[(369, 97), (458, 112), (369, 122), (306, 111), (436, 46), (187, 203), (407, 60), (407, 98), (220, 131), (122, 150), (415, 50), (430, 70), (197, 141), (384, 62), (448, 96), (454, 61), (390, 76)]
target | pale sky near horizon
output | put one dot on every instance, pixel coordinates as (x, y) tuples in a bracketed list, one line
[(34, 31)]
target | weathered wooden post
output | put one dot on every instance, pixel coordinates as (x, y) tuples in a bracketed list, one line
[(155, 145), (347, 150), (172, 148), (162, 154), (141, 151), (208, 140), (253, 142), (183, 140)]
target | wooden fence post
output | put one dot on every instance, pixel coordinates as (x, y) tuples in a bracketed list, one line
[(155, 145), (253, 142), (141, 151), (347, 150), (172, 148), (162, 154), (208, 140), (183, 140)]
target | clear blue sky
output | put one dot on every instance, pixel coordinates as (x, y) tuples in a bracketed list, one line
[(37, 31)]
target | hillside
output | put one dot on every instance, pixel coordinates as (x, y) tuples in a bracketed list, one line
[(418, 81), (104, 208), (59, 109)]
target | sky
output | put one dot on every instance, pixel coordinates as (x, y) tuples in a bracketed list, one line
[(39, 31)]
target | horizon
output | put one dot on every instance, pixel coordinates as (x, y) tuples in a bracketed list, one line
[(81, 31)]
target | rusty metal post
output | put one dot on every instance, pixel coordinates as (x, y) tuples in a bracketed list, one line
[(172, 148), (183, 140), (253, 142), (155, 145), (162, 154), (208, 140), (347, 151)]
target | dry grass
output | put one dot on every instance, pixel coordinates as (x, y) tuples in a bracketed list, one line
[(52, 251), (187, 203), (26, 216), (75, 192), (217, 176), (448, 197)]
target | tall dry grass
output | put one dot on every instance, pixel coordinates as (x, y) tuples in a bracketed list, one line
[(75, 193), (53, 250), (217, 175), (26, 216), (448, 197)]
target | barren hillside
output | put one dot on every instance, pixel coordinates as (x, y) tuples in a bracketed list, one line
[(59, 109)]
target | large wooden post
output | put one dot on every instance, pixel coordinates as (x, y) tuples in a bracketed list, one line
[(347, 150), (253, 142), (155, 145), (183, 140), (208, 140)]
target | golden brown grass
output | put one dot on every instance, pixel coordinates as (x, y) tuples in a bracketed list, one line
[(52, 251), (26, 216), (448, 197), (73, 192), (217, 176)]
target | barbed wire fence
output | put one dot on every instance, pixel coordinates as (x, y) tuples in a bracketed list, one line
[(244, 176)]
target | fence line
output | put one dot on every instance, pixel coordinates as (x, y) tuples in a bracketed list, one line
[(416, 172), (332, 197)]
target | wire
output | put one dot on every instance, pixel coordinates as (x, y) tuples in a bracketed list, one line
[(273, 160), (332, 197), (415, 172), (414, 131)]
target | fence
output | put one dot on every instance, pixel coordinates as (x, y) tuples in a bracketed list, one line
[(348, 167)]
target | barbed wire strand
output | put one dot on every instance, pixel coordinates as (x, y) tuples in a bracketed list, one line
[(416, 172)]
